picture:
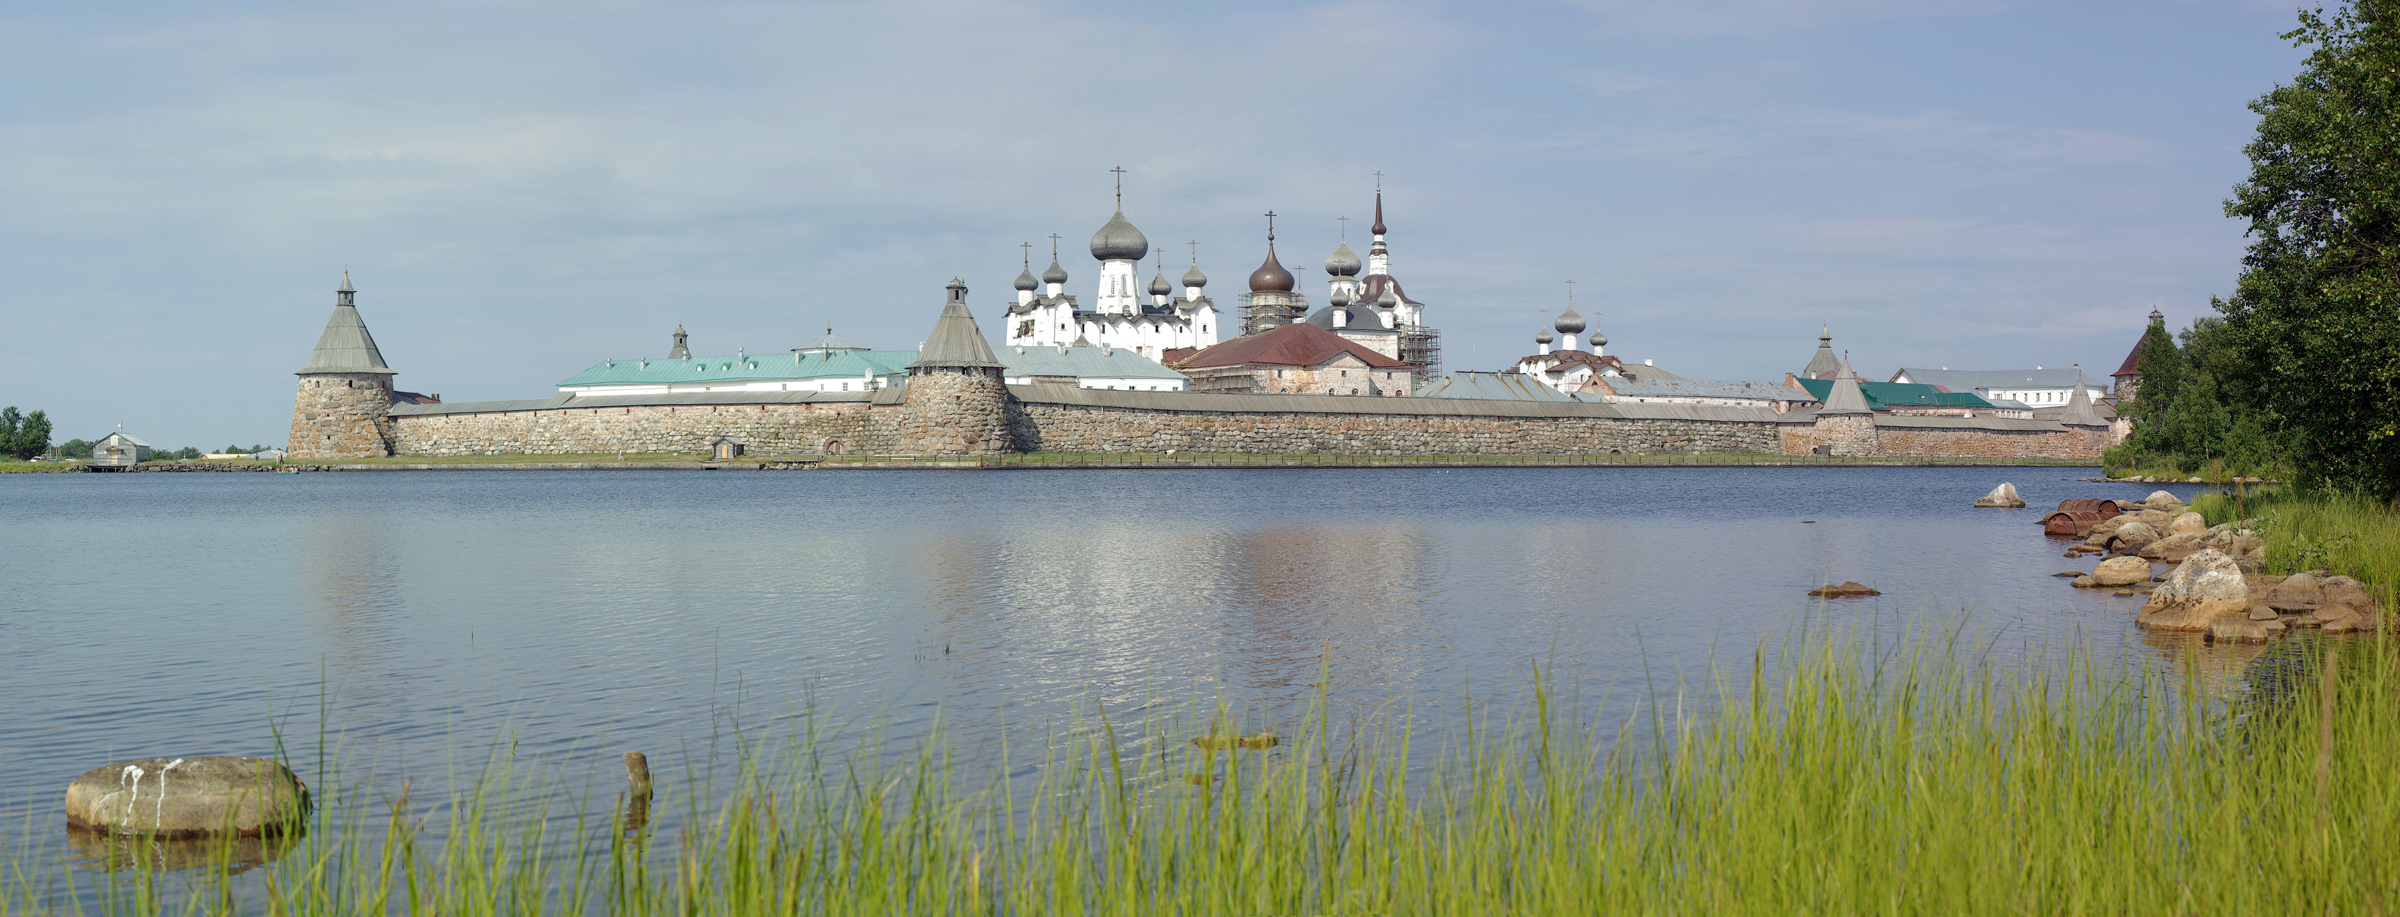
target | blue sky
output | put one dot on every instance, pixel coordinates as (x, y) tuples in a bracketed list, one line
[(522, 189)]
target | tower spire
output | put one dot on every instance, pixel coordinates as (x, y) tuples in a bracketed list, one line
[(1120, 170)]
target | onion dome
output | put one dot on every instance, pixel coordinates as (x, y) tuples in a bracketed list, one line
[(1193, 277), (1026, 283), (1271, 277), (1341, 295), (1378, 227), (1390, 298), (1158, 284), (1055, 274), (1570, 321), (1543, 336), (1119, 241), (1344, 262), (1598, 340)]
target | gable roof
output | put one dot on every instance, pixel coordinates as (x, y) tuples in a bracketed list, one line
[(1884, 396), (1493, 387), (127, 437), (1082, 363), (1696, 388), (837, 364), (345, 347), (1961, 380), (1295, 344)]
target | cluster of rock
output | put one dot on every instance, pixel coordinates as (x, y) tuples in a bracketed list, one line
[(2214, 587), (2161, 529)]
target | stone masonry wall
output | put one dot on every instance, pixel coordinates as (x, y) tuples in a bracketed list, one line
[(342, 415), (2074, 442), (953, 410), (763, 428), (1084, 428)]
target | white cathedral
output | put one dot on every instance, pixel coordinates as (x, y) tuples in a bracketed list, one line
[(1366, 301), (1121, 315)]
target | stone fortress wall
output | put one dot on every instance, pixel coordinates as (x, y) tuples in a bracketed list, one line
[(930, 420)]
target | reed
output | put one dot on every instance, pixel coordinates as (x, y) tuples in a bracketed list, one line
[(1837, 778)]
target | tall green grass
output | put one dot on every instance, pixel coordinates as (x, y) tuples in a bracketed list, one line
[(1839, 779)]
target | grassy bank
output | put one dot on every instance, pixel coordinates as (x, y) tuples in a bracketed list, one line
[(1848, 779)]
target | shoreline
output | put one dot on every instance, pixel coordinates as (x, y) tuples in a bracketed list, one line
[(1039, 461)]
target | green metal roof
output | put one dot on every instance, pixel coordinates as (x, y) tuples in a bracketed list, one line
[(1884, 396), (850, 364)]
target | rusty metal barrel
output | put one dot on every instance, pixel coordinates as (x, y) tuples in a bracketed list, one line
[(2106, 508), (2073, 523)]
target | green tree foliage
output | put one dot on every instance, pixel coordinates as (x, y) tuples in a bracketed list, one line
[(2316, 316), (75, 449), (2195, 405), (23, 435)]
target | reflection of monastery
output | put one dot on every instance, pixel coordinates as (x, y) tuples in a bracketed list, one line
[(1142, 370)]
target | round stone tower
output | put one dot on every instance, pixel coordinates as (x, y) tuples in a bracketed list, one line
[(344, 408), (956, 403), (1846, 424)]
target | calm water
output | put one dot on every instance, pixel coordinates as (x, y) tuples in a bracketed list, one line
[(431, 612)]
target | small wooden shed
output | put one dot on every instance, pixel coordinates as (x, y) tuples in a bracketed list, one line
[(724, 448), (117, 450)]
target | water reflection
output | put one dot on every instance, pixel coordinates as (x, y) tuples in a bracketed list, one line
[(104, 851)]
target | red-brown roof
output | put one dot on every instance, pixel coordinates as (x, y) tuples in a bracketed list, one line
[(1296, 344), (1174, 356), (1374, 289), (2133, 361)]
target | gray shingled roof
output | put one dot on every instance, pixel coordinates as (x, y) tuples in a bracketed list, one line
[(1696, 388), (1492, 387), (2079, 411), (1823, 365), (345, 347), (631, 401), (1963, 380), (1083, 362), (956, 340), (1845, 398)]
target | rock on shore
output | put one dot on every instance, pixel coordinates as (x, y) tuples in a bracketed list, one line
[(187, 797), (2206, 587), (2003, 496)]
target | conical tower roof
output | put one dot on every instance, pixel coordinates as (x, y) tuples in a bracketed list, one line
[(1845, 398), (1823, 365), (956, 340), (345, 347), (2079, 411)]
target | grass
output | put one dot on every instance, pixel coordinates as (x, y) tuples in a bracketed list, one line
[(1842, 779), (2306, 530)]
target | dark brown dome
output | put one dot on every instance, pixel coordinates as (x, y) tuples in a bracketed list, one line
[(1271, 277)]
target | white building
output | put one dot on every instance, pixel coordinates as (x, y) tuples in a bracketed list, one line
[(2037, 388), (1148, 319), (1568, 368), (1086, 365)]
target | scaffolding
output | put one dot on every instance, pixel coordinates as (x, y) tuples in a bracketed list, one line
[(1421, 347), (1268, 311)]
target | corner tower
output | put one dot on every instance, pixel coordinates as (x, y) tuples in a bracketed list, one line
[(956, 403), (345, 401)]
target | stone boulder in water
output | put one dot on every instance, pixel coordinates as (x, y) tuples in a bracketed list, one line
[(2121, 571), (1844, 590), (186, 797), (2003, 496), (2206, 587)]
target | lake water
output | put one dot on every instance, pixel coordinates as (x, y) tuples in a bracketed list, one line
[(433, 613)]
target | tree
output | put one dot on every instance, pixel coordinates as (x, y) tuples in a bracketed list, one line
[(75, 449), (23, 435), (2316, 314)]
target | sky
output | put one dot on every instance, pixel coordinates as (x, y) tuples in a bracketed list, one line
[(522, 189)]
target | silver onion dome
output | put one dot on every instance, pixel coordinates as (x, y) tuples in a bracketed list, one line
[(1599, 340), (1119, 241), (1026, 283), (1343, 262), (1158, 284), (1341, 295), (1543, 336), (1055, 274), (1193, 277), (1570, 321)]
